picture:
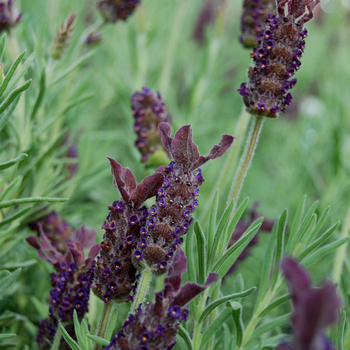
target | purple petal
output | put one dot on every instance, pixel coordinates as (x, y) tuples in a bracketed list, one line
[(187, 292), (94, 251), (216, 152), (184, 149), (32, 240), (86, 236), (167, 140), (77, 251), (176, 270), (124, 179), (147, 188)]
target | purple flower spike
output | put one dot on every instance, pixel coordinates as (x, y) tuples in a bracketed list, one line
[(149, 110), (276, 58), (314, 308), (114, 11), (9, 16), (159, 321)]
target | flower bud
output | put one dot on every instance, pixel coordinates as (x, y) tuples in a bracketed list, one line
[(114, 10), (9, 15)]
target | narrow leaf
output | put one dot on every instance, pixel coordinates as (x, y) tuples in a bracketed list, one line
[(7, 335), (224, 299), (77, 329), (112, 322), (8, 114), (202, 254), (41, 95), (318, 227), (191, 270), (98, 340), (8, 281), (7, 204), (237, 317), (186, 337), (15, 216), (12, 162), (2, 46), (341, 331), (274, 304), (71, 342), (212, 222)]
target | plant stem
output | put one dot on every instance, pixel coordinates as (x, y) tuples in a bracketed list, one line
[(226, 171), (341, 253), (213, 315), (103, 322), (172, 47), (198, 326), (57, 340), (142, 288), (246, 158)]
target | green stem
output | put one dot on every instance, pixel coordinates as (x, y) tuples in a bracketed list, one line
[(212, 317), (57, 340), (341, 253), (231, 159), (142, 288), (246, 158), (172, 46), (198, 325), (103, 322)]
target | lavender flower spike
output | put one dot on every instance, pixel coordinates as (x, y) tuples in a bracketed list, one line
[(9, 15), (253, 19), (314, 309), (114, 10), (149, 111), (277, 58), (115, 274), (156, 326), (177, 198)]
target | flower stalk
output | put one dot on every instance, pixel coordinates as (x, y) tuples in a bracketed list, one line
[(246, 159), (57, 340), (142, 288), (103, 322)]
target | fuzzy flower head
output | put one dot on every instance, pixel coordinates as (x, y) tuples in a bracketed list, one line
[(156, 326), (176, 199), (114, 10), (277, 58), (314, 309), (9, 15), (253, 20), (149, 111), (115, 274)]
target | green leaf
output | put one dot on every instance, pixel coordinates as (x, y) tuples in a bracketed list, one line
[(212, 221), (15, 216), (8, 114), (274, 304), (341, 331), (11, 72), (226, 261), (11, 98), (237, 312), (22, 264), (112, 322), (12, 162), (7, 204), (98, 340), (40, 306), (77, 330), (2, 46), (215, 326), (202, 254), (318, 242), (224, 299), (11, 188), (296, 223), (71, 342), (72, 67), (84, 331), (7, 335), (320, 253), (186, 337), (8, 281), (267, 266), (191, 271), (18, 76), (318, 227), (215, 248), (41, 95), (276, 322)]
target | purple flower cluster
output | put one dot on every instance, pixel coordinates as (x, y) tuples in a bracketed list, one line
[(9, 15), (114, 10), (277, 58), (240, 229), (115, 274), (148, 110), (253, 19), (156, 326), (314, 309), (176, 199), (71, 280)]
